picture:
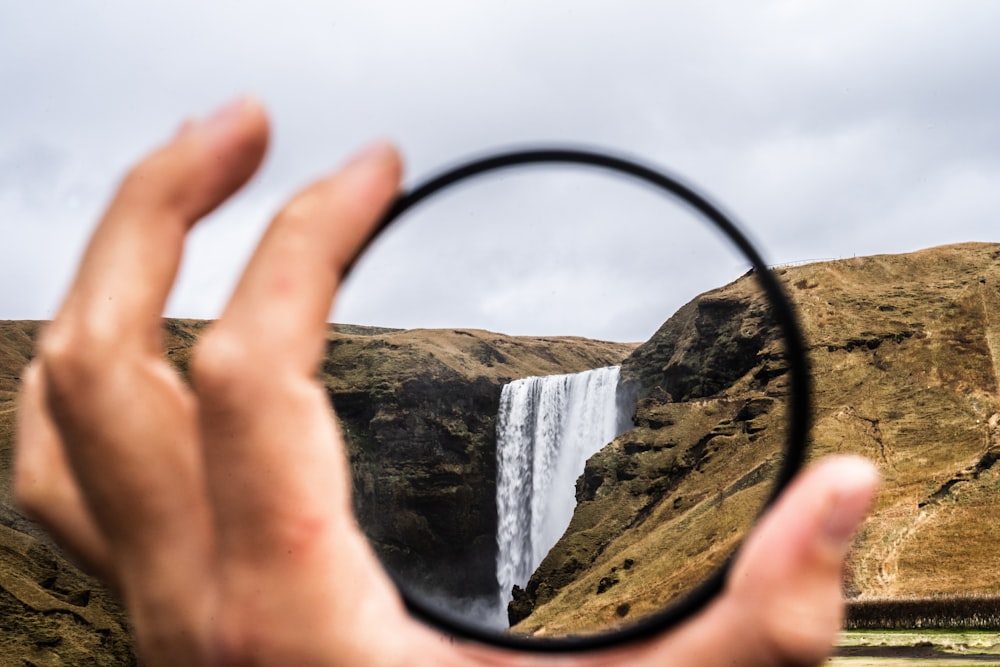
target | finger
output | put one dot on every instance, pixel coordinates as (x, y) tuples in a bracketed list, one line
[(101, 353), (132, 444), (274, 459), (45, 487), (102, 350), (283, 299), (791, 570), (782, 604), (127, 423), (131, 261)]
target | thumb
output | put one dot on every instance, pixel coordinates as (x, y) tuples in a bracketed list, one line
[(786, 583)]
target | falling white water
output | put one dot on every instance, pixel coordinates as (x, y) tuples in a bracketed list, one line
[(547, 428)]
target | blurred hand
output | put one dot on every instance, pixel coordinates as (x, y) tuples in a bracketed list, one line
[(221, 512)]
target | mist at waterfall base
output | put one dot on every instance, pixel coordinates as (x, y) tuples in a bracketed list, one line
[(547, 428)]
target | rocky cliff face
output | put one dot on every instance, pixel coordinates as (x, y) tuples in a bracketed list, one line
[(418, 411), (904, 353), (50, 612), (668, 501)]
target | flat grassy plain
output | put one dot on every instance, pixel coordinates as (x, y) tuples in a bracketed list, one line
[(905, 648)]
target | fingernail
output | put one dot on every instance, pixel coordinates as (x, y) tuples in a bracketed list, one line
[(225, 115), (217, 120), (851, 505), (371, 154), (187, 127)]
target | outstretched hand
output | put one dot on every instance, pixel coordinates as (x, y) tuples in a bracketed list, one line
[(221, 512)]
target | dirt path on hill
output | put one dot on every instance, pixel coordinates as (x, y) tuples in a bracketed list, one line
[(991, 302), (881, 564)]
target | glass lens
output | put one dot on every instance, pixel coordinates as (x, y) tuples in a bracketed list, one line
[(564, 396)]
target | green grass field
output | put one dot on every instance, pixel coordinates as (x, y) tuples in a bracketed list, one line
[(902, 648)]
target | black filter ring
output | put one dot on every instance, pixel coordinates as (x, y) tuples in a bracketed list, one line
[(795, 353)]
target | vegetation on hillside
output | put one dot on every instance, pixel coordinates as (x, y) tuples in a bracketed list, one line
[(904, 352), (904, 356)]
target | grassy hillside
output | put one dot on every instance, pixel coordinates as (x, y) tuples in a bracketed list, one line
[(904, 358), (418, 408), (903, 350)]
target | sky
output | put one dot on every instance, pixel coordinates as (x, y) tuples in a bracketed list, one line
[(829, 129)]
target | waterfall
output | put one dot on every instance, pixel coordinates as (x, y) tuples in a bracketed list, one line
[(547, 428)]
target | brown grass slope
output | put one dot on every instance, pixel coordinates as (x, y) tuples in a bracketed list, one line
[(904, 354), (50, 612), (667, 502), (416, 406), (906, 366), (904, 358)]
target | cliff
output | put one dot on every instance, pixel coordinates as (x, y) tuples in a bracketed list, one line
[(668, 501), (904, 356), (418, 410), (903, 350), (50, 612), (419, 413)]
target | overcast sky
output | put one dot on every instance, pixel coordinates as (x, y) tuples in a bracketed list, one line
[(830, 129)]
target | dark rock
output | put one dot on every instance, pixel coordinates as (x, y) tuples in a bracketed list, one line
[(707, 345), (606, 583), (520, 606)]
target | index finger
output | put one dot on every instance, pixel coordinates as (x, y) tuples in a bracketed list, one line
[(131, 261), (280, 306), (273, 453)]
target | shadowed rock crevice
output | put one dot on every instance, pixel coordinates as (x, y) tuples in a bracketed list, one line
[(970, 474)]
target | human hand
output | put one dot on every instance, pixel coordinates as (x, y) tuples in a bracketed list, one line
[(221, 512)]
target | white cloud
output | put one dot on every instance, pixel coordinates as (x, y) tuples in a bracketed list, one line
[(830, 129)]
